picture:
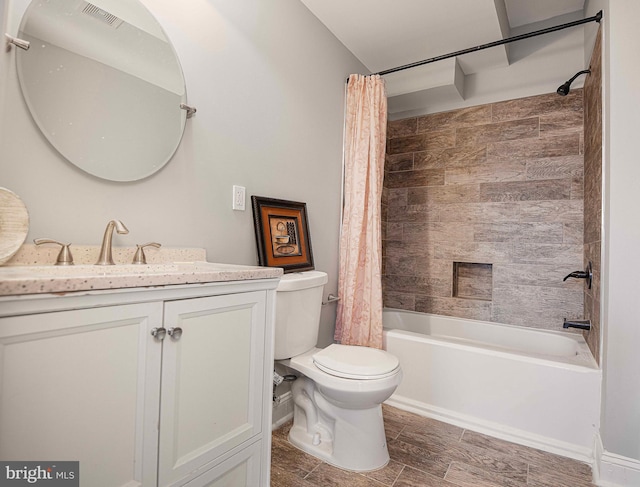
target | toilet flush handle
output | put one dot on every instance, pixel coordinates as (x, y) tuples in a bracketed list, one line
[(331, 298)]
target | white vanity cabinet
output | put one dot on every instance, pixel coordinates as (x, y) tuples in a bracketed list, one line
[(161, 387)]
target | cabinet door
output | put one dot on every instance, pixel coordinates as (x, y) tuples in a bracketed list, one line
[(241, 470), (83, 385), (212, 381)]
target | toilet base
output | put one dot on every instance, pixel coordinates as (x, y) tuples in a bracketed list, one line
[(350, 439)]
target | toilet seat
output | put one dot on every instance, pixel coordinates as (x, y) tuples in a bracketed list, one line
[(356, 362)]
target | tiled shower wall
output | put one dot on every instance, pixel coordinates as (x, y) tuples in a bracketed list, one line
[(593, 192), (483, 212)]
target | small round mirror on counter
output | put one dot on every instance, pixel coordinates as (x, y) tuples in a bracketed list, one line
[(104, 85)]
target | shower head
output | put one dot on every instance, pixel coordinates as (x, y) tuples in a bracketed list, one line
[(566, 86)]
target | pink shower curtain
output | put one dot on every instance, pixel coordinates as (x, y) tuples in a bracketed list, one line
[(359, 318)]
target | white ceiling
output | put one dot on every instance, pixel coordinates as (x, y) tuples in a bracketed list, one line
[(390, 33)]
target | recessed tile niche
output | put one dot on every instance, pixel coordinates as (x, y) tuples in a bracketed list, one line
[(472, 281)]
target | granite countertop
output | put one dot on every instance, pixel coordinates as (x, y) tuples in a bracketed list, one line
[(27, 272)]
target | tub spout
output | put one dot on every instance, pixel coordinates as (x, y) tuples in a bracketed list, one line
[(581, 324)]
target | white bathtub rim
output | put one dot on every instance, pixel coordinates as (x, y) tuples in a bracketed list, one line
[(496, 430), (583, 360), (589, 367)]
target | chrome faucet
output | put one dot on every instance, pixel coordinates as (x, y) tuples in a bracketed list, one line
[(105, 251)]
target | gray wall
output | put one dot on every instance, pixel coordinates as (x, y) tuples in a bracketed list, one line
[(268, 82), (620, 429)]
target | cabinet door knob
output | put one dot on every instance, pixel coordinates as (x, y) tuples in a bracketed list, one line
[(159, 333), (175, 333)]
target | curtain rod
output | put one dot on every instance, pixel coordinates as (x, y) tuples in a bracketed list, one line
[(596, 18)]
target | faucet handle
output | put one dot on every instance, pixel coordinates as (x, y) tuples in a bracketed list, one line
[(64, 256), (139, 257)]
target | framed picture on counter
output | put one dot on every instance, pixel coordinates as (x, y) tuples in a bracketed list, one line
[(282, 234)]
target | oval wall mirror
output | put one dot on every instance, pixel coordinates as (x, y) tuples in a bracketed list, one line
[(104, 85)]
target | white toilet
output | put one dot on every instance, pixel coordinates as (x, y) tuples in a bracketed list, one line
[(339, 391)]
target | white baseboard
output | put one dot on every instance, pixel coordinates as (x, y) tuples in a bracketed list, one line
[(496, 430), (611, 470), (283, 412)]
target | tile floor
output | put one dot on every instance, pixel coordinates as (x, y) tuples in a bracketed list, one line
[(428, 453)]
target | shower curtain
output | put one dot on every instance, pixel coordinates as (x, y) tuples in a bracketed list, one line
[(359, 315)]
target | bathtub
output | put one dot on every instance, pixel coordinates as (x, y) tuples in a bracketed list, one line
[(534, 387)]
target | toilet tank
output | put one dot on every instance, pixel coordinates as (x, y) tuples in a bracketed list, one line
[(298, 302)]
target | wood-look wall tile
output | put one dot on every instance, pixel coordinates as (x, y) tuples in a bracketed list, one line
[(561, 122), (413, 213), (542, 232), (462, 308), (478, 252), (569, 255), (554, 189), (401, 128), (537, 105), (438, 232), (557, 146), (555, 167), (462, 117), (478, 212), (592, 254), (505, 275), (418, 285), (431, 141), (536, 306), (392, 231), (592, 198), (499, 131), (400, 300), (551, 211), (454, 193), (451, 157), (413, 179), (573, 232), (487, 173), (399, 162), (397, 197), (410, 248), (577, 187)]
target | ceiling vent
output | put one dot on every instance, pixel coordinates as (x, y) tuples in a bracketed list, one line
[(102, 15)]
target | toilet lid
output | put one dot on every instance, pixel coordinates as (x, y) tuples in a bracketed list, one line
[(354, 362)]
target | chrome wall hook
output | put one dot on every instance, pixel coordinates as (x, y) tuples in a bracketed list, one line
[(21, 43), (190, 110)]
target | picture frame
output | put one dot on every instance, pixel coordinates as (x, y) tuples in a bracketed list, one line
[(282, 234)]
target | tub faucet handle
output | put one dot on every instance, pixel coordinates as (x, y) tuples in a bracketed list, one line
[(585, 274), (64, 257)]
